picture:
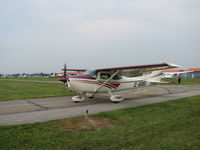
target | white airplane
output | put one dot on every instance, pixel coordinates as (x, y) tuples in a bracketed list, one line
[(179, 73), (109, 80)]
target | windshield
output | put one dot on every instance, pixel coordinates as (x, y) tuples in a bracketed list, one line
[(91, 73)]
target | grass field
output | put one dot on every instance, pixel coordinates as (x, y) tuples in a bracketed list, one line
[(186, 81), (37, 79), (172, 125), (11, 90)]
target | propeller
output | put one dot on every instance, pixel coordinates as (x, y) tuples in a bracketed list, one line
[(65, 78), (65, 71)]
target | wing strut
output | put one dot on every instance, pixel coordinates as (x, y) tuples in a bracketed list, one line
[(96, 90)]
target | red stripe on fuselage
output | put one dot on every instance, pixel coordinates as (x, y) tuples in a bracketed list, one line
[(108, 85), (92, 82), (115, 84)]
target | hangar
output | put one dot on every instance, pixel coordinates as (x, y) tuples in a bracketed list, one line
[(189, 73)]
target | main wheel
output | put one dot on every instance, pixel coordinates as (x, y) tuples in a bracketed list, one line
[(77, 98), (115, 102)]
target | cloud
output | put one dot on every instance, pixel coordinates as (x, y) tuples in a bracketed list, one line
[(86, 32), (107, 28)]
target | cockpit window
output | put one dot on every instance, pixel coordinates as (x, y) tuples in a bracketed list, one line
[(106, 76), (92, 73), (117, 77)]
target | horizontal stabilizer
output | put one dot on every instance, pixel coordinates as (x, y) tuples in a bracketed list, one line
[(155, 76)]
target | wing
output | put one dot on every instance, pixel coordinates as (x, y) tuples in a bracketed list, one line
[(137, 70)]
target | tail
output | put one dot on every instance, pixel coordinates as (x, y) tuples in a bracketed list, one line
[(155, 76)]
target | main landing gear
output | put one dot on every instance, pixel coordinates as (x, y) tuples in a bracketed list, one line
[(116, 98), (78, 98), (113, 98)]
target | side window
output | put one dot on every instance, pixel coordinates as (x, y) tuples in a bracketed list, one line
[(105, 76), (117, 77), (94, 74)]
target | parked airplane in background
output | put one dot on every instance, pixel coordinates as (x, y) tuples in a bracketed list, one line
[(174, 73), (109, 80)]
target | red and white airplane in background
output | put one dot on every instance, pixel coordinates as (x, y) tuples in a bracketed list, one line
[(109, 80)]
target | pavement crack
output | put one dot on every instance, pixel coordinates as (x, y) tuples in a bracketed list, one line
[(43, 107)]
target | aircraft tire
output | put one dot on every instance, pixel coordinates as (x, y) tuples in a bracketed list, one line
[(115, 102)]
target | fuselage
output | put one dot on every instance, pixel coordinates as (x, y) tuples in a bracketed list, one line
[(88, 84)]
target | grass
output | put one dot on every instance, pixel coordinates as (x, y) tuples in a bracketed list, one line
[(186, 81), (12, 90), (172, 125), (37, 79)]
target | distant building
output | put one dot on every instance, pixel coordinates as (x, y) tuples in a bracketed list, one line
[(172, 73), (189, 73), (17, 75), (60, 75), (192, 73), (39, 75)]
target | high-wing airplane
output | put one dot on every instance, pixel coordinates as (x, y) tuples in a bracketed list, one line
[(108, 80)]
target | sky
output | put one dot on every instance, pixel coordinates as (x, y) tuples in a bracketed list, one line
[(41, 35)]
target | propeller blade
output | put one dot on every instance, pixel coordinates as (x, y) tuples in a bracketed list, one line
[(65, 71), (64, 79)]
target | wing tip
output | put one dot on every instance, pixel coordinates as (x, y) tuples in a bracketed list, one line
[(174, 65)]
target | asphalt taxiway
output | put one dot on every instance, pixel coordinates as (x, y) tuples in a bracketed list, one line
[(44, 109)]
